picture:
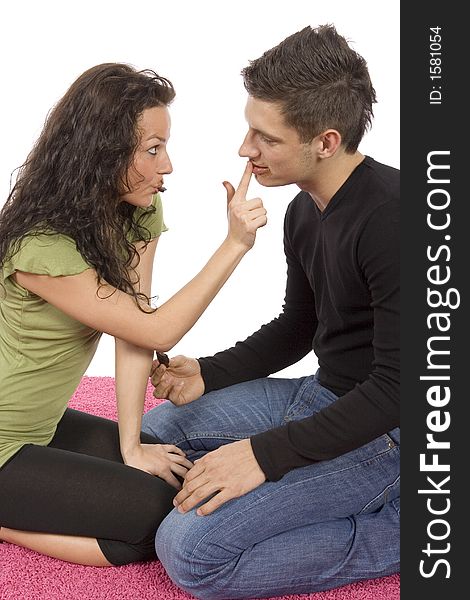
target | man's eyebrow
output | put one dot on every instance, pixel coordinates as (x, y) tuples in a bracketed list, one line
[(267, 135)]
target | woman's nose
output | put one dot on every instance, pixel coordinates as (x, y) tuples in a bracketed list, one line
[(165, 167)]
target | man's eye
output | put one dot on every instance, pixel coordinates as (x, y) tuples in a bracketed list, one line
[(266, 140)]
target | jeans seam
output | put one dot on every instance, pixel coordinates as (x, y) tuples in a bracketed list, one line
[(306, 578), (356, 464), (211, 436), (263, 498), (394, 504), (382, 493)]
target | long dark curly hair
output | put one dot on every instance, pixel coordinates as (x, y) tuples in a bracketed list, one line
[(74, 177)]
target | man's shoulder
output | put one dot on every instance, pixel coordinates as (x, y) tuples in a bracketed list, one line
[(300, 209), (302, 201), (383, 176)]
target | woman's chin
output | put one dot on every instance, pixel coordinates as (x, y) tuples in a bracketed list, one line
[(139, 201)]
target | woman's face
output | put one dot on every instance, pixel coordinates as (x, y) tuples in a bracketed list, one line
[(151, 160)]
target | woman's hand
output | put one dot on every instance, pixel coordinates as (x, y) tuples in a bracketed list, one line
[(162, 460), (115, 312), (244, 216)]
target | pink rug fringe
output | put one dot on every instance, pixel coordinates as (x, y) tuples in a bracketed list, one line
[(26, 575)]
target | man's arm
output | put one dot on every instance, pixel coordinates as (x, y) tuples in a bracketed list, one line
[(371, 408), (367, 411)]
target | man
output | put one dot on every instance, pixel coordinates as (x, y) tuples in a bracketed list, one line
[(295, 484)]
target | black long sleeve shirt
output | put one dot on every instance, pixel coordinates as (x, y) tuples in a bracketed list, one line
[(342, 301)]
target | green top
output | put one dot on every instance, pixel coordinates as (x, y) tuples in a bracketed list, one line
[(43, 352)]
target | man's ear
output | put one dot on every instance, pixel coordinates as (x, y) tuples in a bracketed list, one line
[(327, 143)]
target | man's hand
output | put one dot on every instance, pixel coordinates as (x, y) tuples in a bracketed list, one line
[(228, 472), (181, 382)]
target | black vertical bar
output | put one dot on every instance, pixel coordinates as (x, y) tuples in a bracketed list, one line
[(435, 252)]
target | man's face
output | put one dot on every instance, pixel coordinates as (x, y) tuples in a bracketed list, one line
[(275, 150)]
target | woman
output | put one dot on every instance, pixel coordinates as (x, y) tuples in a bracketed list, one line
[(78, 235)]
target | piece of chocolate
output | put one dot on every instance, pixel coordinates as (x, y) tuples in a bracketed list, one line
[(163, 359)]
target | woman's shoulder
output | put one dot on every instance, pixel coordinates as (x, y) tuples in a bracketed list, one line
[(45, 253), (45, 238), (47, 242)]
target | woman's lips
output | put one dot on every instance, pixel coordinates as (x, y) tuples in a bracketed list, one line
[(159, 188)]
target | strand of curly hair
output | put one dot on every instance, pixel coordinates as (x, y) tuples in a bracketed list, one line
[(75, 175)]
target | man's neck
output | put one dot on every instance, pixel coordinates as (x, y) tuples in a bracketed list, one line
[(330, 175)]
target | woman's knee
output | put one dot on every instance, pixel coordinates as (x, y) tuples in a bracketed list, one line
[(124, 553), (155, 503), (138, 535)]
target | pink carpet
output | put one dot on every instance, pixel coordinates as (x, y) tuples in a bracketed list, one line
[(26, 575)]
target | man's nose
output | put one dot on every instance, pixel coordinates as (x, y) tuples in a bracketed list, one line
[(248, 149)]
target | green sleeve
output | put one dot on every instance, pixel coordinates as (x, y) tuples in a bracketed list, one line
[(46, 254), (151, 218)]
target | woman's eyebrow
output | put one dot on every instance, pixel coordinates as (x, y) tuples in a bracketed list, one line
[(158, 137)]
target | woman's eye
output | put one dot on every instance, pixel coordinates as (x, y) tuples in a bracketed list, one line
[(153, 150)]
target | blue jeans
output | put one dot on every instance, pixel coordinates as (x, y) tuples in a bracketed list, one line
[(321, 526)]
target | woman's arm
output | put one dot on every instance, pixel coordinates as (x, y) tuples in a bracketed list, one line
[(133, 364), (117, 314), (132, 373)]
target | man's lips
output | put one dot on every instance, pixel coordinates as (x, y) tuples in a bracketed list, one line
[(258, 169)]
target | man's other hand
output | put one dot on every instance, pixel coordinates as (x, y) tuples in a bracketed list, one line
[(221, 475), (181, 382)]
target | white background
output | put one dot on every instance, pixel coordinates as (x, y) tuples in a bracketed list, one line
[(201, 47)]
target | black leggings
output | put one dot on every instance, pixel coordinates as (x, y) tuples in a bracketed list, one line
[(78, 485)]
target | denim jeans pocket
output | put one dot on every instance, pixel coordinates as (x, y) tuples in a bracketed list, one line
[(387, 463), (390, 493), (394, 435), (310, 399)]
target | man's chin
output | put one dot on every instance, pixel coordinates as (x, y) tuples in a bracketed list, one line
[(267, 180)]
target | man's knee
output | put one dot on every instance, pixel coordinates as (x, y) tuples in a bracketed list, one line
[(183, 546), (174, 544)]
